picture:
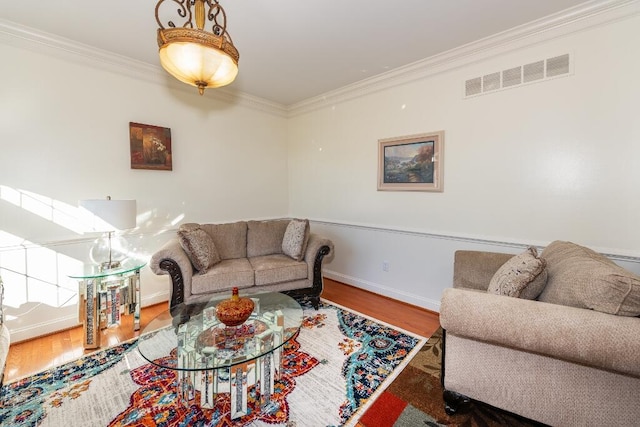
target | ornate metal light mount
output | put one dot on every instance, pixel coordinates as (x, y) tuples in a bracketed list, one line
[(190, 53)]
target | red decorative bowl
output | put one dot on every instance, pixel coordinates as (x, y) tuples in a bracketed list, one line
[(235, 310)]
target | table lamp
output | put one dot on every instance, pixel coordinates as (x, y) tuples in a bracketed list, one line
[(108, 216)]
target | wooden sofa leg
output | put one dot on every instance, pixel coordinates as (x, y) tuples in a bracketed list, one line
[(315, 301), (454, 402)]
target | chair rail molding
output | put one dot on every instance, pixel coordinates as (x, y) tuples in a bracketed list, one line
[(614, 254)]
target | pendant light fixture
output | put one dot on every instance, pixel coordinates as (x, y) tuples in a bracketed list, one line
[(190, 52)]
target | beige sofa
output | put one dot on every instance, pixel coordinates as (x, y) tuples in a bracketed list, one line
[(569, 358), (250, 255)]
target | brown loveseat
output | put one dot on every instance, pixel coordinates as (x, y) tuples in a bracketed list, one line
[(569, 358), (254, 256)]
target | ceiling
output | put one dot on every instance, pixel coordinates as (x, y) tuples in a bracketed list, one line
[(292, 50)]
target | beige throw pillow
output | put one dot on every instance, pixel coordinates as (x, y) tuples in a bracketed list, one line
[(199, 246), (523, 276), (581, 277), (295, 240)]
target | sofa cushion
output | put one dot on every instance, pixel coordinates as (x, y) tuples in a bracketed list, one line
[(272, 269), (295, 239), (581, 277), (230, 239), (265, 237), (224, 276), (523, 276), (198, 245)]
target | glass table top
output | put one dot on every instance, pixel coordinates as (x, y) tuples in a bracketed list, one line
[(195, 335), (92, 271)]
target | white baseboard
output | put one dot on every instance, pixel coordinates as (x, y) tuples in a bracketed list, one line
[(155, 298), (409, 298), (43, 328), (68, 322)]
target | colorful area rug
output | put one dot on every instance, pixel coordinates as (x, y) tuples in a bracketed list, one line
[(414, 398), (334, 368)]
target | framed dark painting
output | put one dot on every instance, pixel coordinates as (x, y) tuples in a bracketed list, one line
[(150, 147), (411, 163)]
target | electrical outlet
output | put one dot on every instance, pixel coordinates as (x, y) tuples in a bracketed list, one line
[(385, 265)]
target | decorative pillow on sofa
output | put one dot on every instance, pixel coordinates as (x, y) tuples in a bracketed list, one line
[(523, 276), (581, 277), (199, 246), (296, 238)]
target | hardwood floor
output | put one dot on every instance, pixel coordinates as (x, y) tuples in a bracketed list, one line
[(32, 356), (405, 316)]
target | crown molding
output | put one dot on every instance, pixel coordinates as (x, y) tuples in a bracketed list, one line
[(585, 16), (20, 36)]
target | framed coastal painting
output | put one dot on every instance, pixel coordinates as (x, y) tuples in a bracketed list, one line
[(411, 163), (150, 147)]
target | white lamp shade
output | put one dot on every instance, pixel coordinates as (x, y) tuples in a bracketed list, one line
[(109, 215)]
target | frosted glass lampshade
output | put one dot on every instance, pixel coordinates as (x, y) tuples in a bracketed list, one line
[(197, 58), (195, 46)]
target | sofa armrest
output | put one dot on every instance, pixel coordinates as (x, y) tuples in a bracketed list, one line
[(171, 259), (475, 269), (578, 335), (314, 244), (319, 250)]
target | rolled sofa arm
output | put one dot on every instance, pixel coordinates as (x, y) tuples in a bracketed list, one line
[(171, 259), (588, 337), (318, 249), (313, 246)]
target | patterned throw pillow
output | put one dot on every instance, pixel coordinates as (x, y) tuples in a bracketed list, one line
[(199, 246), (295, 240), (523, 276)]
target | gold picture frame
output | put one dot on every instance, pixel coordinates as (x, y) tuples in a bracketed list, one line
[(411, 163)]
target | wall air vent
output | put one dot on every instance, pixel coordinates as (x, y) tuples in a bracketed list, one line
[(491, 82), (528, 73), (512, 77), (473, 86), (558, 66), (532, 72)]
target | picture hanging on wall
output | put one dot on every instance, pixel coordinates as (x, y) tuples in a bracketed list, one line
[(150, 147), (411, 163)]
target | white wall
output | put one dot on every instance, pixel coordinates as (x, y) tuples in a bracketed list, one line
[(64, 136), (554, 160)]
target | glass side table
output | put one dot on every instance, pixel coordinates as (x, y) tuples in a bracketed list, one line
[(210, 358), (104, 296)]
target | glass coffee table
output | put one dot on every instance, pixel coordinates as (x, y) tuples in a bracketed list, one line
[(211, 358)]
